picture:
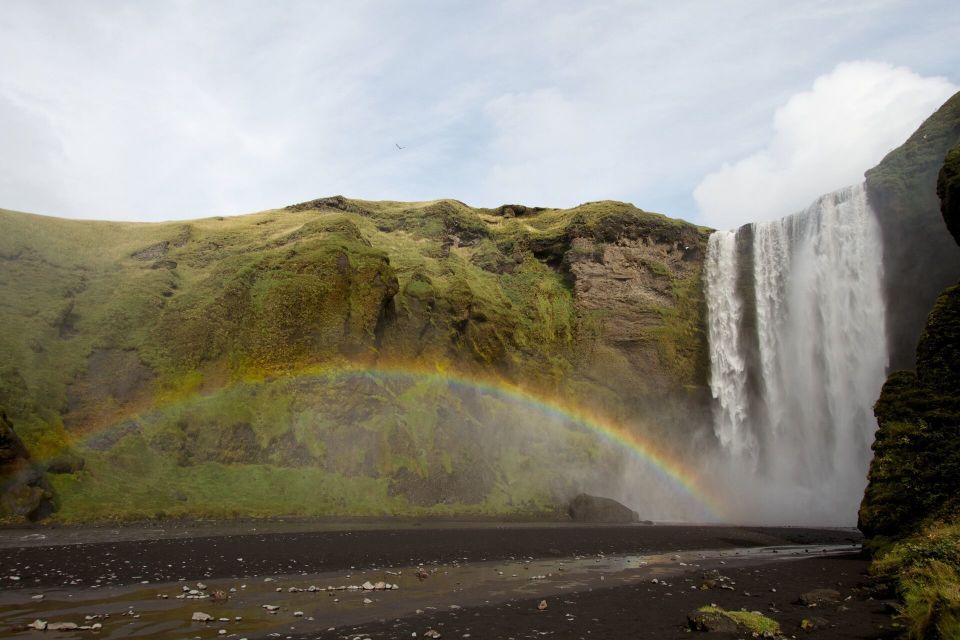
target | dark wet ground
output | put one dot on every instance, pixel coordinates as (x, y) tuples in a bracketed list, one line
[(474, 572)]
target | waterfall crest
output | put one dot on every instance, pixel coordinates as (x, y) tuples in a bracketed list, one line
[(798, 356)]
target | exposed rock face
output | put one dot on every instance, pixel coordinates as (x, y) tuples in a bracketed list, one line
[(24, 491), (586, 508), (919, 258), (915, 473)]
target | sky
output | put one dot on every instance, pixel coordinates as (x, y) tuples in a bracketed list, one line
[(719, 113)]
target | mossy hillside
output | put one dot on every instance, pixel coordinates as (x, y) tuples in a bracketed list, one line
[(298, 445), (115, 322), (948, 190)]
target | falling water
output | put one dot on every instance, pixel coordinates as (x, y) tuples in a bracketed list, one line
[(798, 355)]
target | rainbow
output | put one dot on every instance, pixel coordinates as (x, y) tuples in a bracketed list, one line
[(676, 475), (669, 468)]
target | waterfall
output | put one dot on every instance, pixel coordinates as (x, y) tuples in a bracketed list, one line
[(798, 356)]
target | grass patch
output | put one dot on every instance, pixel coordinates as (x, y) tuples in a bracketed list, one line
[(926, 570)]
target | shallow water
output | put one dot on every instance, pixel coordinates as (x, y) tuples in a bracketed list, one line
[(139, 611)]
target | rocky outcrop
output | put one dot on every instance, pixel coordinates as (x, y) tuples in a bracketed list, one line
[(915, 473), (948, 189), (919, 258), (587, 508), (24, 490)]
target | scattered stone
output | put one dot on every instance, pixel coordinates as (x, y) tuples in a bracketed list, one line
[(367, 601), (200, 616), (430, 633), (39, 625), (820, 597), (367, 586), (542, 605), (271, 607), (62, 626), (298, 614)]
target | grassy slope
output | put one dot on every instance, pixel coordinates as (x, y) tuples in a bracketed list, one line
[(172, 356)]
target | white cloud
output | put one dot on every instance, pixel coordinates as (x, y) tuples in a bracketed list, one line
[(823, 139), (193, 108)]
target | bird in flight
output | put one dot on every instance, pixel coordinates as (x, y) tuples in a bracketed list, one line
[(398, 146)]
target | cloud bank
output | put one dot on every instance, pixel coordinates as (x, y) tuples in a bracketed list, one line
[(151, 111), (823, 139)]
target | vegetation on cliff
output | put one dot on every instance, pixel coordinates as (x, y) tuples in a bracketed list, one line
[(919, 259), (230, 365), (911, 507)]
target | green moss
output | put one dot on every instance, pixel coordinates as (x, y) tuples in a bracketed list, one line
[(948, 189), (926, 570), (222, 314), (751, 621), (912, 477)]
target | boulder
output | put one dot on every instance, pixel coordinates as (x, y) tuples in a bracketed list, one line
[(587, 508), (712, 621), (820, 597), (68, 462)]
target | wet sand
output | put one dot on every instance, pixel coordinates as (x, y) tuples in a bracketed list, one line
[(599, 575)]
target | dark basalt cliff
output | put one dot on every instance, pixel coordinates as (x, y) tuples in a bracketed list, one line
[(919, 258), (915, 473), (910, 512)]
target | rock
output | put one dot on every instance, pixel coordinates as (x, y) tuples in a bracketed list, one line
[(948, 189), (271, 607), (820, 597), (809, 624), (24, 489), (298, 614), (587, 508), (367, 601), (68, 462), (39, 625), (711, 621), (62, 626), (430, 633), (542, 606), (199, 616), (367, 586)]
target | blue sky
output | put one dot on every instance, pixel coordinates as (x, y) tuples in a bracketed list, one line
[(715, 112)]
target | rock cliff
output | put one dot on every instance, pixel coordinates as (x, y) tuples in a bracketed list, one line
[(343, 356)]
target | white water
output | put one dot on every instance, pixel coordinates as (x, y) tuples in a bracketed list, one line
[(796, 443)]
